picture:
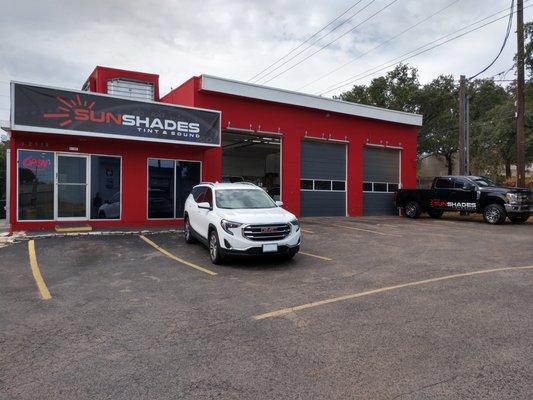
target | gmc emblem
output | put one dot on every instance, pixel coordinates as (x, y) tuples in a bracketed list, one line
[(267, 229)]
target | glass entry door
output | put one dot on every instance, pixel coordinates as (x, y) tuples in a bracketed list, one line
[(71, 187)]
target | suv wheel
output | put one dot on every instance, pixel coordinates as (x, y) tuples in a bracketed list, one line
[(412, 209), (518, 219), (494, 214), (214, 248), (187, 232)]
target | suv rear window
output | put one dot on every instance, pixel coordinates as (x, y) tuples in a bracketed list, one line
[(197, 193)]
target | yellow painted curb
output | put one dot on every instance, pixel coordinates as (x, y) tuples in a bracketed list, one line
[(71, 229)]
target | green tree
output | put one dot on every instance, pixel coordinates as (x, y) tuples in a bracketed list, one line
[(491, 112), (528, 49), (438, 104), (396, 90)]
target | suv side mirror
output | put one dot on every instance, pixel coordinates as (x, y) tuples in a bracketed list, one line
[(469, 187), (279, 203), (204, 205)]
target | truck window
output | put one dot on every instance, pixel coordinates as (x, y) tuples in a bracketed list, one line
[(443, 183), (459, 183)]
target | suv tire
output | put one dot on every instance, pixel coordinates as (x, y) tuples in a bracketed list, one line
[(494, 214), (412, 209), (518, 219), (435, 213), (215, 252), (187, 232)]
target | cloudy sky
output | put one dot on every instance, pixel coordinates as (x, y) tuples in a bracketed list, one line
[(59, 42)]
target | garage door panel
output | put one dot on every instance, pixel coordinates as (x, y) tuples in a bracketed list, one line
[(323, 161), (381, 175), (379, 204), (323, 204), (381, 165)]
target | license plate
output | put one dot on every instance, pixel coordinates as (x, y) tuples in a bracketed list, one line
[(269, 248)]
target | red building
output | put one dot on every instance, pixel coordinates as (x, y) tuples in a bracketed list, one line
[(117, 154)]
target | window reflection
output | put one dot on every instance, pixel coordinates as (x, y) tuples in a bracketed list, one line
[(169, 184), (160, 188), (35, 185), (105, 187)]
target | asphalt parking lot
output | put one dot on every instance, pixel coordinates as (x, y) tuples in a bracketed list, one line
[(376, 308)]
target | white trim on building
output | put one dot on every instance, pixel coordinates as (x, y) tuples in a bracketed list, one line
[(266, 93)]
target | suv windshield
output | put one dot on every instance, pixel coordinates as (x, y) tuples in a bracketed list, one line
[(243, 198), (484, 182)]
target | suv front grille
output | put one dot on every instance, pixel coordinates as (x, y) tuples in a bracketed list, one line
[(266, 232)]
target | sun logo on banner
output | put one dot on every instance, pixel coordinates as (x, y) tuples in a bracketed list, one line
[(67, 109)]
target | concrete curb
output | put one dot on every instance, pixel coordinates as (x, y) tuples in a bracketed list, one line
[(23, 236)]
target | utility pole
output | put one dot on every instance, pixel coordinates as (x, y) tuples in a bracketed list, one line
[(462, 108), (467, 135), (520, 137)]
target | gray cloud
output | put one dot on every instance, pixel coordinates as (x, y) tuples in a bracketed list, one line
[(59, 42)]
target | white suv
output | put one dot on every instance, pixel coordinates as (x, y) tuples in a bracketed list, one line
[(239, 219)]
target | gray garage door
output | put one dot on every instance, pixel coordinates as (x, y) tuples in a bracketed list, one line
[(323, 179), (381, 178)]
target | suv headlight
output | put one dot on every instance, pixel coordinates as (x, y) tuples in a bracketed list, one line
[(227, 225), (296, 224), (512, 198)]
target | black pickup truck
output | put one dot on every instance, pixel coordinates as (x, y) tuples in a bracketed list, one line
[(467, 194)]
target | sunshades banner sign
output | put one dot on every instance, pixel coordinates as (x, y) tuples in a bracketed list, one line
[(50, 110)]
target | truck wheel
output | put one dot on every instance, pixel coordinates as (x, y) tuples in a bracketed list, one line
[(435, 213), (518, 219), (412, 209), (215, 252), (494, 214), (187, 233)]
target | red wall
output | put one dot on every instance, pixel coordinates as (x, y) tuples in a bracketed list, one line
[(294, 122), (134, 172)]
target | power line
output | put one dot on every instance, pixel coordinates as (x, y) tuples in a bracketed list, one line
[(337, 38), (352, 78), (378, 46), (509, 25), (310, 37), (316, 41), (362, 75)]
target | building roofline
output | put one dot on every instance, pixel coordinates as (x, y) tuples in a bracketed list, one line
[(244, 89)]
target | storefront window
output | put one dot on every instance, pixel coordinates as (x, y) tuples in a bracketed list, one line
[(35, 185), (187, 176), (160, 188), (105, 187), (169, 184)]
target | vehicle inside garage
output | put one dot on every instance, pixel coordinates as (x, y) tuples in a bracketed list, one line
[(252, 158)]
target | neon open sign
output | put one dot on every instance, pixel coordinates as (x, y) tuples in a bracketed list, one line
[(32, 162)]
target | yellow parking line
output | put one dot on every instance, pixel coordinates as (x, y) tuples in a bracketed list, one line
[(288, 310), (314, 255), (306, 230), (43, 290), (172, 256), (365, 230)]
